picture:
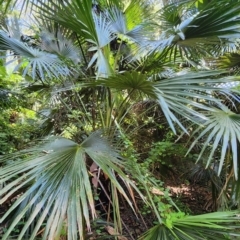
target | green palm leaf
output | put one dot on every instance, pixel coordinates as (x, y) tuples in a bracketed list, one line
[(200, 32), (139, 12), (98, 29), (170, 14), (211, 226), (189, 94), (58, 186), (39, 62), (75, 15), (132, 81), (229, 60), (219, 18), (221, 128)]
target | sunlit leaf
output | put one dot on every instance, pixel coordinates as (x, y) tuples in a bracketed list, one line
[(35, 61)]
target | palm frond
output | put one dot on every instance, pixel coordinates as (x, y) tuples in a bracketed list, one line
[(94, 27), (138, 13), (211, 226), (118, 20), (200, 33), (40, 63), (77, 16), (58, 186), (132, 81), (13, 28), (133, 22), (57, 44), (219, 18), (103, 30), (119, 25), (229, 60), (221, 128), (181, 95), (171, 14), (104, 37)]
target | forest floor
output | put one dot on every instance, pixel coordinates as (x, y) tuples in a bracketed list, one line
[(190, 197)]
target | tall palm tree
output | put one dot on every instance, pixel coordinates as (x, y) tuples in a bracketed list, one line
[(101, 58)]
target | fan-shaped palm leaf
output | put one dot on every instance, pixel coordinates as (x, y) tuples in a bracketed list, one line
[(139, 12), (217, 24), (173, 13), (58, 186), (221, 128), (74, 15), (119, 23), (94, 27), (39, 62), (211, 226), (118, 20), (132, 81), (59, 45), (229, 60), (52, 38)]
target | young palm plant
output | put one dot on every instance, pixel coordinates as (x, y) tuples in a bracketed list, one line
[(121, 56)]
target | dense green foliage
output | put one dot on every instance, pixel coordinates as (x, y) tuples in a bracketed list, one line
[(102, 100)]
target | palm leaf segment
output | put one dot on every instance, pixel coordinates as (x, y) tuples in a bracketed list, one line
[(59, 191)]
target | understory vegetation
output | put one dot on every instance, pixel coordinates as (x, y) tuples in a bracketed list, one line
[(119, 119)]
